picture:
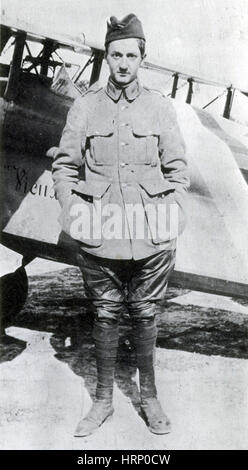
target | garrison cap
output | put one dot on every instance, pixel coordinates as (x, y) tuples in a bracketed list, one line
[(129, 27)]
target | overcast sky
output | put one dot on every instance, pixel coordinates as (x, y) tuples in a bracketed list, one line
[(205, 37)]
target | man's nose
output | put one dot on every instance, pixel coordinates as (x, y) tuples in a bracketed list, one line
[(123, 63)]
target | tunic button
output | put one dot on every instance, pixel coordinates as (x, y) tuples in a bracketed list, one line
[(122, 164), (123, 144)]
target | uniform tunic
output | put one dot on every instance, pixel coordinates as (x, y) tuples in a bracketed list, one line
[(129, 146)]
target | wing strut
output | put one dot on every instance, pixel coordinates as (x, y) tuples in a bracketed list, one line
[(15, 68)]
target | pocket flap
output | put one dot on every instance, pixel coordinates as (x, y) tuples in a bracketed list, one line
[(145, 127), (102, 128), (154, 188), (93, 188)]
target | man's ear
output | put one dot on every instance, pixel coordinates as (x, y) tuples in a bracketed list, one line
[(105, 53), (143, 58)]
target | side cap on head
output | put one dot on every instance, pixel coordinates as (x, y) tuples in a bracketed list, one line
[(128, 27)]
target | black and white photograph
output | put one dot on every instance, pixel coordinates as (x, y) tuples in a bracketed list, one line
[(124, 228)]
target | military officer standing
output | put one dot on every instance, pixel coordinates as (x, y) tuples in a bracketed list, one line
[(125, 213)]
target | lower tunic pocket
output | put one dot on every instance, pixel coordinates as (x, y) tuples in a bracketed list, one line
[(81, 218)]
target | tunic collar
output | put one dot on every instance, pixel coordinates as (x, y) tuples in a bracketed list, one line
[(130, 91)]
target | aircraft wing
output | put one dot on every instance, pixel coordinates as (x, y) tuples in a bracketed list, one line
[(39, 33)]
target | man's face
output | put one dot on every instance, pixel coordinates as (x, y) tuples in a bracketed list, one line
[(123, 59)]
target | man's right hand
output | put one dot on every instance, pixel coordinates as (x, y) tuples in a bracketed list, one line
[(51, 152)]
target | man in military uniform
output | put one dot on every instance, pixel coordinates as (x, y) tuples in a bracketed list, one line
[(128, 142)]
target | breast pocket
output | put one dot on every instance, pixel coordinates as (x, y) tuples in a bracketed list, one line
[(100, 142), (146, 141)]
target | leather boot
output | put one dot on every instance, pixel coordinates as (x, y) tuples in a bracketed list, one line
[(144, 335), (106, 336), (99, 413)]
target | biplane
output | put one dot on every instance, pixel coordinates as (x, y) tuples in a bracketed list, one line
[(36, 94)]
